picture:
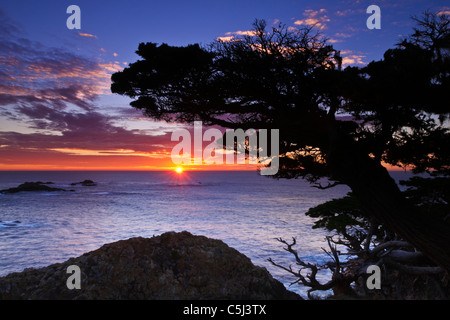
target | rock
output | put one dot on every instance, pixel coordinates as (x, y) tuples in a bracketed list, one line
[(31, 186), (85, 183), (170, 266)]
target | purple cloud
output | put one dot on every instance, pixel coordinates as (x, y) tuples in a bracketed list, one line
[(40, 85), (34, 73)]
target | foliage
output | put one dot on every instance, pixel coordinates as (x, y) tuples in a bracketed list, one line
[(431, 195)]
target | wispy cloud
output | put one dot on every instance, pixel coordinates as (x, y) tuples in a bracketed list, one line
[(87, 35), (226, 39), (82, 134), (317, 18), (444, 11), (350, 57), (342, 35), (350, 11), (51, 94), (231, 36), (339, 37), (34, 73), (241, 33)]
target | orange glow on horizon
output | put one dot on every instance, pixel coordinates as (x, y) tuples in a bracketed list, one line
[(70, 159)]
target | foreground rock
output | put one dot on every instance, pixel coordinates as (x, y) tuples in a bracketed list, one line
[(170, 266), (32, 186)]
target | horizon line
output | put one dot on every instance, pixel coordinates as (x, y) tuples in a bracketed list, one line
[(157, 170)]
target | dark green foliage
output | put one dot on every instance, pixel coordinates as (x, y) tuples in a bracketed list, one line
[(165, 77), (431, 195), (338, 214)]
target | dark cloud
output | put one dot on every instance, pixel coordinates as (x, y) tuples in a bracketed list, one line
[(90, 131), (54, 92), (49, 99), (9, 27), (34, 73)]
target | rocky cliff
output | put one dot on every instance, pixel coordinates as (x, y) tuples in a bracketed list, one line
[(169, 266)]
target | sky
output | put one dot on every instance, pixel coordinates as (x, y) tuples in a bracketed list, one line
[(56, 108)]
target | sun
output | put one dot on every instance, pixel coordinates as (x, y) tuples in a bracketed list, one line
[(179, 169)]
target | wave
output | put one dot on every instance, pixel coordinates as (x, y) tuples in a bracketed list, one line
[(57, 193), (199, 184), (105, 193), (17, 223), (9, 224)]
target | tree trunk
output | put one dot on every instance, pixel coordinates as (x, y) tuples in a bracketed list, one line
[(381, 197)]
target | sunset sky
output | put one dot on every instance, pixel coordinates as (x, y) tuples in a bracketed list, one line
[(56, 108)]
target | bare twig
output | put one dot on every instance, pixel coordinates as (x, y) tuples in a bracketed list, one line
[(328, 186), (310, 279)]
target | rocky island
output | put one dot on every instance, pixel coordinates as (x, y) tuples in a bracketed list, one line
[(32, 186), (167, 267), (85, 183), (43, 186)]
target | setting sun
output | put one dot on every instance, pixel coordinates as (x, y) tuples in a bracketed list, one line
[(179, 169)]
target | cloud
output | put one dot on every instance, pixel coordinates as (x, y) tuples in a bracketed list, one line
[(92, 132), (343, 13), (87, 35), (445, 11), (9, 28), (351, 58), (110, 67), (12, 158), (317, 18), (338, 35), (347, 12), (226, 39), (49, 96), (34, 73), (231, 36), (241, 33), (342, 35)]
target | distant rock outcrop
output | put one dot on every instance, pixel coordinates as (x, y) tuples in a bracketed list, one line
[(85, 183), (32, 186), (170, 266)]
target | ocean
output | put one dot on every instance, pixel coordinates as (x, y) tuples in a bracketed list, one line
[(243, 209)]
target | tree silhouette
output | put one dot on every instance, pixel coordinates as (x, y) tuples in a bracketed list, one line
[(336, 123)]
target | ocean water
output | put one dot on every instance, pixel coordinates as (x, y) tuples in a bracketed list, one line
[(243, 209)]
